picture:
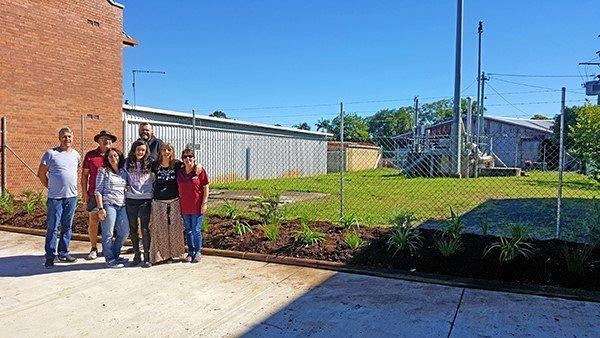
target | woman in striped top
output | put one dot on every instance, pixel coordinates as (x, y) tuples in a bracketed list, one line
[(110, 198)]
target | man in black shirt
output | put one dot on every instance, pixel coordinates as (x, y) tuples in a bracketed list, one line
[(154, 143)]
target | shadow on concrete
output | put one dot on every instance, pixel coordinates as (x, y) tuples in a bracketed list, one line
[(537, 213), (31, 265), (354, 305)]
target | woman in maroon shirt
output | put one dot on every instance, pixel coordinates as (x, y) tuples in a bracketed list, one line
[(192, 183)]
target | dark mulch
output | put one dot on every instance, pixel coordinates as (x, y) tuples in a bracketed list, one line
[(545, 267)]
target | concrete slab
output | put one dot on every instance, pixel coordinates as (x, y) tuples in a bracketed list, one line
[(228, 297)]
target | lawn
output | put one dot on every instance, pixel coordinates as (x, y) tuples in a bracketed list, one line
[(374, 195)]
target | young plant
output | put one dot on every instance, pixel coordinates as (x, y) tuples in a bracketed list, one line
[(353, 240), (33, 201), (231, 210), (510, 248), (448, 245), (521, 231), (271, 230), (241, 227), (350, 222), (267, 207), (204, 225), (577, 260), (485, 227), (404, 238), (7, 202), (402, 218), (454, 226), (307, 235)]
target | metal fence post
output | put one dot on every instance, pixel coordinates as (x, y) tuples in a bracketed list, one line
[(560, 161), (342, 160), (3, 169)]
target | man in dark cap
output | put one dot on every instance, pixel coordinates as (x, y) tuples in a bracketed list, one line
[(91, 163), (147, 134)]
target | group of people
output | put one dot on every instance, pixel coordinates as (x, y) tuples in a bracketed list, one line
[(149, 192)]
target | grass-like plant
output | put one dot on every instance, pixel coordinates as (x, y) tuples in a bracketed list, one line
[(33, 201), (307, 235), (353, 240), (454, 226), (231, 210), (204, 225), (521, 231), (267, 207), (271, 230), (577, 260), (404, 237), (485, 227), (241, 227), (7, 202), (448, 245), (350, 222), (401, 218), (510, 248)]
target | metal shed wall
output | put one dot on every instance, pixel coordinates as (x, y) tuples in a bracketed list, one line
[(233, 152)]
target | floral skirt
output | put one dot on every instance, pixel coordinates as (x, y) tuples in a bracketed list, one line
[(166, 231)]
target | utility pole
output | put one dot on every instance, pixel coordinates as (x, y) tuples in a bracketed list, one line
[(145, 72), (478, 112), (482, 108), (416, 125), (456, 122), (469, 119)]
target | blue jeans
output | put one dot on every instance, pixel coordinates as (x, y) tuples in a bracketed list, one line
[(116, 219), (193, 233), (59, 212)]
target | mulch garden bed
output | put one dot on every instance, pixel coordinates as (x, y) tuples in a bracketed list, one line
[(546, 266)]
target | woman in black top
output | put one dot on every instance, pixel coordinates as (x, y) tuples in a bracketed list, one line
[(166, 223)]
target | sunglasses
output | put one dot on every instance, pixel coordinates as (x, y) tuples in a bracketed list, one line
[(187, 156)]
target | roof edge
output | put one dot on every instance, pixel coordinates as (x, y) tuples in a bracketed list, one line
[(116, 4), (217, 119)]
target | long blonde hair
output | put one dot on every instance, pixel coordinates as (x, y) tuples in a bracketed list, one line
[(172, 158)]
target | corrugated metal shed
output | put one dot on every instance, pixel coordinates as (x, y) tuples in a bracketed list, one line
[(233, 150)]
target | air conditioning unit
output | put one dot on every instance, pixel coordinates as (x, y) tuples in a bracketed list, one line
[(592, 87)]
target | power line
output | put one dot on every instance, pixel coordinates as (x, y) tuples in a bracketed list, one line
[(503, 98), (532, 86), (531, 75)]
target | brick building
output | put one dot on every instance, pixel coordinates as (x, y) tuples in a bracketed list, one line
[(60, 65)]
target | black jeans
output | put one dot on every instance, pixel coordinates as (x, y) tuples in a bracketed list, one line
[(139, 209)]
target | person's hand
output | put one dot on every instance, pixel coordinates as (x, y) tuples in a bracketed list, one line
[(203, 208), (102, 214)]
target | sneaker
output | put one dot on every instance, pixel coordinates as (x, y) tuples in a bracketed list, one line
[(49, 264), (169, 261), (123, 260), (67, 259), (146, 264), (137, 259), (188, 259), (197, 259), (92, 255), (114, 264)]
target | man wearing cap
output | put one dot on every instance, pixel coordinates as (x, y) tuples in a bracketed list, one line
[(147, 134), (93, 160)]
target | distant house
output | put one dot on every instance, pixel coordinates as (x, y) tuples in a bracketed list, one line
[(512, 141)]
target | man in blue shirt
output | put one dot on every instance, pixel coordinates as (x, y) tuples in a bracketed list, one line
[(58, 173)]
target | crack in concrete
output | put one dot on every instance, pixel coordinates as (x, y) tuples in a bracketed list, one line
[(456, 312)]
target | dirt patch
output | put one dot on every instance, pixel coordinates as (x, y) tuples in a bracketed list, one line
[(546, 266)]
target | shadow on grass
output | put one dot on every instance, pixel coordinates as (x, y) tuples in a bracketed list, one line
[(537, 213)]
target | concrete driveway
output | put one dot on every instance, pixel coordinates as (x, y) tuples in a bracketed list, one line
[(230, 297)]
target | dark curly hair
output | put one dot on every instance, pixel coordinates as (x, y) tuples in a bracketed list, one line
[(145, 161), (106, 163)]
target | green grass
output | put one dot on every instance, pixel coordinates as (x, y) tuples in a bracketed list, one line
[(374, 195)]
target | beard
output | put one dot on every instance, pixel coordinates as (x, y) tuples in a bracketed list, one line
[(144, 137)]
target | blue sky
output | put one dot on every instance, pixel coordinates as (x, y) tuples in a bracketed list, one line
[(259, 60)]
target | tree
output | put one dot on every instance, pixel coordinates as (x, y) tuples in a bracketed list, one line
[(302, 126), (390, 122), (586, 133), (324, 125), (219, 114), (442, 110), (570, 120), (356, 128), (539, 117)]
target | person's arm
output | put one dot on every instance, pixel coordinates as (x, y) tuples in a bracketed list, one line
[(100, 186), (204, 199), (85, 176), (42, 174)]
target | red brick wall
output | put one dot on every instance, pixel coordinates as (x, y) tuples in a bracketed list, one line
[(59, 60)]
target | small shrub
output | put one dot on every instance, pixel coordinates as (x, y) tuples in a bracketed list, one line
[(7, 202), (241, 227), (231, 210), (403, 238), (448, 245), (271, 230), (33, 201), (307, 235), (267, 207), (510, 248), (454, 226), (350, 222), (353, 240), (577, 260)]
